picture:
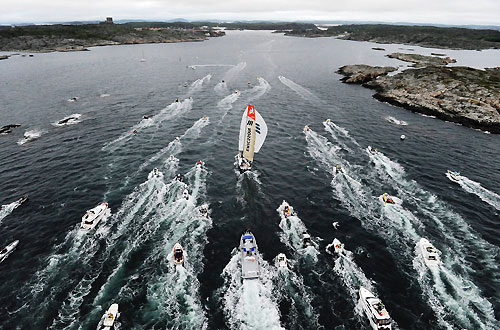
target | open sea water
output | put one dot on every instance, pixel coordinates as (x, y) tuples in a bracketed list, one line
[(60, 278)]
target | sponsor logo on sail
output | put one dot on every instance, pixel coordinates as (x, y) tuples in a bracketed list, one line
[(251, 111)]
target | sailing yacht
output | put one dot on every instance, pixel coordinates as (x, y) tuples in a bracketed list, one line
[(253, 132)]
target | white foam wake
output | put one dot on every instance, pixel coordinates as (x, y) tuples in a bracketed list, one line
[(227, 102), (198, 84), (301, 91), (293, 228), (234, 71), (249, 304), (30, 136), (173, 110), (8, 208), (221, 88), (477, 189), (257, 91)]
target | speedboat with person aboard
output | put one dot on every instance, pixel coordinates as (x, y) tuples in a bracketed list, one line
[(387, 199), (93, 216), (454, 176), (429, 253), (249, 256), (372, 151), (338, 246), (185, 194), (281, 261), (286, 209), (7, 250), (375, 310), (306, 240), (110, 317), (178, 254)]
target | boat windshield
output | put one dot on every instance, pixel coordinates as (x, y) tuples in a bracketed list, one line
[(178, 254), (88, 222), (432, 258), (384, 321), (4, 250)]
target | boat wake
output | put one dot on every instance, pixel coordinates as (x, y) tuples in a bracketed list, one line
[(455, 300), (292, 235), (198, 84), (257, 91), (30, 136), (477, 189), (249, 304), (393, 120), (221, 88), (301, 91), (173, 110), (8, 208), (68, 120), (227, 102), (234, 71)]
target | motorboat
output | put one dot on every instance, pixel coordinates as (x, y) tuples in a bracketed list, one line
[(286, 209), (253, 132), (185, 194), (156, 173), (387, 199), (172, 158), (338, 246), (200, 164), (93, 216), (145, 117), (237, 92), (178, 254), (403, 137), (281, 261), (7, 250), (306, 128), (338, 169), (243, 164), (306, 240), (22, 199), (372, 151), (454, 176), (185, 84), (249, 256), (203, 210), (179, 177), (430, 253), (177, 139), (328, 121), (205, 118), (73, 99), (375, 310), (110, 317)]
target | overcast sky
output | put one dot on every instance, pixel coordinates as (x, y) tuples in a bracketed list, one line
[(480, 12)]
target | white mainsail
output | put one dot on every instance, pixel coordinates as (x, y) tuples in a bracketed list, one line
[(253, 132)]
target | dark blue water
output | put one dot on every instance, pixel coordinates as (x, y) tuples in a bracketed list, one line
[(58, 278)]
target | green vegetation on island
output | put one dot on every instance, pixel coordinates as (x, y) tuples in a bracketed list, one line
[(59, 37), (425, 36)]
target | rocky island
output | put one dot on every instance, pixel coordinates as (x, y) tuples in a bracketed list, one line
[(425, 36), (459, 94), (59, 37)]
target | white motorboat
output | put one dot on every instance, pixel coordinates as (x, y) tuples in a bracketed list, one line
[(306, 240), (338, 246), (7, 250), (281, 261), (185, 194), (73, 99), (110, 317), (178, 254), (387, 199), (454, 176), (249, 256), (93, 216), (403, 137), (375, 310), (328, 121), (306, 128), (253, 132), (286, 209), (371, 150), (179, 177), (429, 253), (156, 173), (172, 158), (200, 164)]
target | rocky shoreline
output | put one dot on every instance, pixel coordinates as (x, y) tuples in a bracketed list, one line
[(79, 38), (463, 95)]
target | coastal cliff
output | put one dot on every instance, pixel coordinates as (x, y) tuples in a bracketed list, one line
[(459, 94)]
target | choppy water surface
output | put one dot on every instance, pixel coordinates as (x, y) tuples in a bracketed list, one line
[(61, 278)]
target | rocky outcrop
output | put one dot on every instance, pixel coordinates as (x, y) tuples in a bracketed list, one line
[(421, 60), (459, 94), (361, 73)]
